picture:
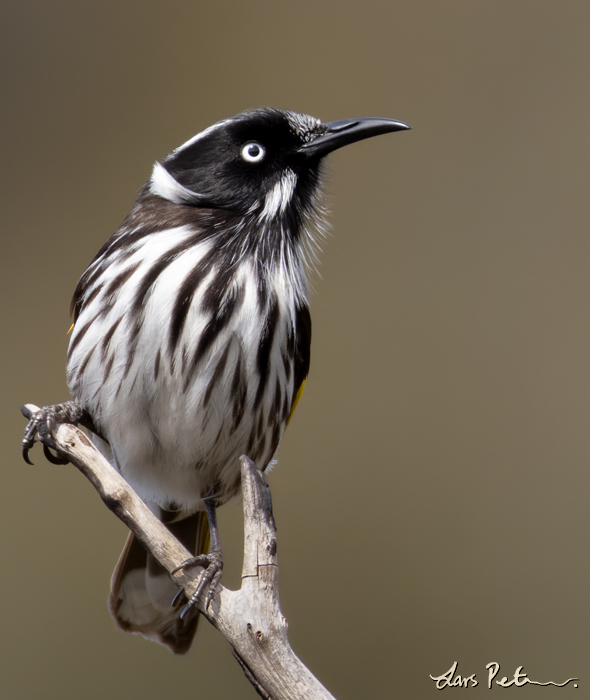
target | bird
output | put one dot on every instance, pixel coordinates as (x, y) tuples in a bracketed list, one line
[(191, 337)]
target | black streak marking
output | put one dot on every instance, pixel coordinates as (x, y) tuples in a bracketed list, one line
[(133, 341), (81, 370), (218, 438), (286, 408), (120, 280), (184, 299), (108, 369), (251, 441), (81, 333), (220, 319), (150, 215), (104, 346), (137, 310), (260, 450), (88, 300), (265, 347), (276, 405), (150, 278), (260, 424), (217, 374), (239, 390), (287, 361), (157, 365), (276, 437)]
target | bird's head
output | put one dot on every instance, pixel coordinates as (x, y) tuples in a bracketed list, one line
[(265, 161)]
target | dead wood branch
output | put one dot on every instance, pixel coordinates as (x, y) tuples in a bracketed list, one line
[(250, 618)]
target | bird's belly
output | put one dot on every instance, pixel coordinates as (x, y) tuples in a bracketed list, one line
[(177, 423), (175, 456)]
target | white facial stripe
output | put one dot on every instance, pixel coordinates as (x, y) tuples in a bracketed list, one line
[(277, 200), (200, 135), (164, 185)]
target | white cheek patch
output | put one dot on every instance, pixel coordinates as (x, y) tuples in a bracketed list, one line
[(278, 199), (164, 185)]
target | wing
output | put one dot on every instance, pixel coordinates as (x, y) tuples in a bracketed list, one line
[(302, 355)]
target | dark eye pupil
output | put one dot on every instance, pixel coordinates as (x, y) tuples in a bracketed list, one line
[(253, 150)]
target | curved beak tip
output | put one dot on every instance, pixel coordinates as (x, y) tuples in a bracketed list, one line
[(346, 131)]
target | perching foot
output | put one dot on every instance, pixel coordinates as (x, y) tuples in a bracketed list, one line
[(42, 425)]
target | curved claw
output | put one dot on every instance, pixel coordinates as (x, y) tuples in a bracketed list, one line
[(199, 560), (42, 425), (54, 459), (210, 576), (176, 600), (25, 453)]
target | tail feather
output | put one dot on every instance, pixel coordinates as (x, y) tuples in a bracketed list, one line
[(142, 591)]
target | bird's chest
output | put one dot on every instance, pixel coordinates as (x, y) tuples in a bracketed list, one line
[(195, 384)]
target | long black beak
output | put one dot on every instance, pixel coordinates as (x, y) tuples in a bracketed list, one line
[(346, 131)]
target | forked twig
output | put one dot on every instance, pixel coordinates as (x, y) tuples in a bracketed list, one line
[(250, 618)]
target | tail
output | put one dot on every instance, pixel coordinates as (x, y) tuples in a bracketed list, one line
[(142, 591)]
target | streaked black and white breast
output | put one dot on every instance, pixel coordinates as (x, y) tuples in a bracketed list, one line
[(192, 330)]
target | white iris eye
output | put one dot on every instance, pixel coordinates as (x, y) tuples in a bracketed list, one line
[(253, 152)]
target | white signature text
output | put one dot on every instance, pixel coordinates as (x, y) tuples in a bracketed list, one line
[(452, 679)]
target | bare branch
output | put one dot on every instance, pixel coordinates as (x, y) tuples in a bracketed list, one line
[(250, 619)]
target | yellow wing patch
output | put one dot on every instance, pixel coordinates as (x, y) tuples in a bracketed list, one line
[(297, 397), (71, 329)]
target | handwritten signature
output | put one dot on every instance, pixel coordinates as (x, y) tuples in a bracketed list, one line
[(451, 679)]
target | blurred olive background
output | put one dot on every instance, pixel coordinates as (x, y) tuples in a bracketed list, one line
[(432, 490)]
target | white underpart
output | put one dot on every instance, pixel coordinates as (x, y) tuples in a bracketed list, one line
[(165, 186), (158, 428), (278, 199)]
